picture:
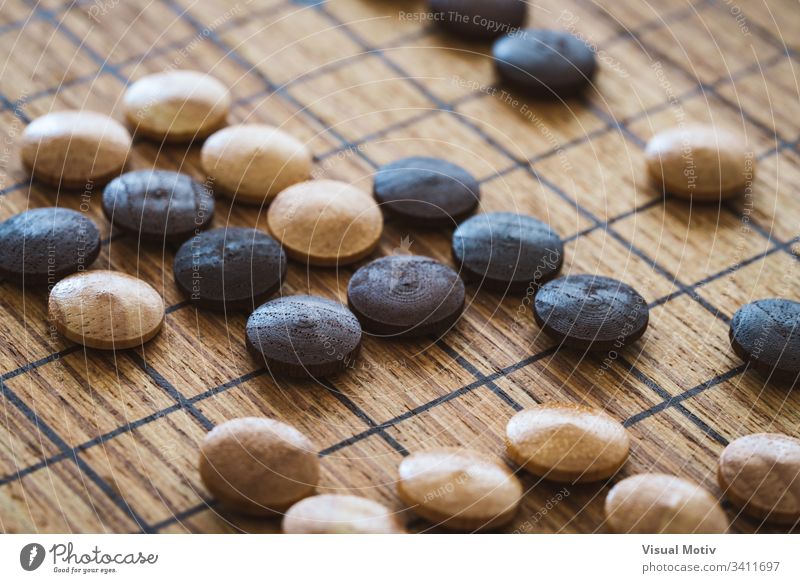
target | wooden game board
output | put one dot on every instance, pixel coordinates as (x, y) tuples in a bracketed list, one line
[(101, 442)]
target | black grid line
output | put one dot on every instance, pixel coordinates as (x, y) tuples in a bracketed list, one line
[(26, 368), (480, 379), (764, 33), (60, 26), (713, 89), (692, 289), (83, 465), (677, 399), (503, 150), (12, 26), (664, 394), (476, 384), (351, 406), (184, 515), (17, 111), (74, 451), (153, 52), (472, 369), (170, 390)]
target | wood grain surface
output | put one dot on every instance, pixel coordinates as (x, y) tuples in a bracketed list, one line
[(101, 442)]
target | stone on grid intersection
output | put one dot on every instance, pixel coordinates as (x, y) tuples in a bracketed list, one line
[(426, 192), (479, 19), (406, 296), (545, 64), (325, 222), (41, 246), (258, 466), (230, 268), (252, 163), (177, 106), (108, 310), (302, 336), (340, 514), (567, 443), (766, 334), (459, 488), (700, 162), (591, 312), (760, 474), (507, 251), (158, 205), (663, 504), (75, 149)]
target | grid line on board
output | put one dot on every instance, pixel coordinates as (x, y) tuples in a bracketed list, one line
[(440, 105), (374, 428)]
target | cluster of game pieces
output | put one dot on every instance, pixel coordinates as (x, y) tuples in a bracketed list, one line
[(264, 467), (548, 64)]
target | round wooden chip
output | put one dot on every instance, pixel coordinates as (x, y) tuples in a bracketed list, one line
[(177, 106), (458, 488), (258, 466), (75, 149), (591, 312), (700, 162), (406, 296), (760, 474), (158, 205), (663, 504), (325, 222), (567, 443), (507, 251), (230, 268), (428, 192), (41, 246), (252, 163), (547, 64), (766, 334), (304, 336), (340, 514), (106, 309)]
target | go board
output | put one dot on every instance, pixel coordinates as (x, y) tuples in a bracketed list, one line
[(101, 442)]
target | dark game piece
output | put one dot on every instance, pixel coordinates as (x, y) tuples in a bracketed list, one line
[(766, 334), (158, 205), (545, 63), (427, 191), (406, 296), (42, 246), (301, 336), (230, 269), (591, 312), (479, 19), (507, 251)]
